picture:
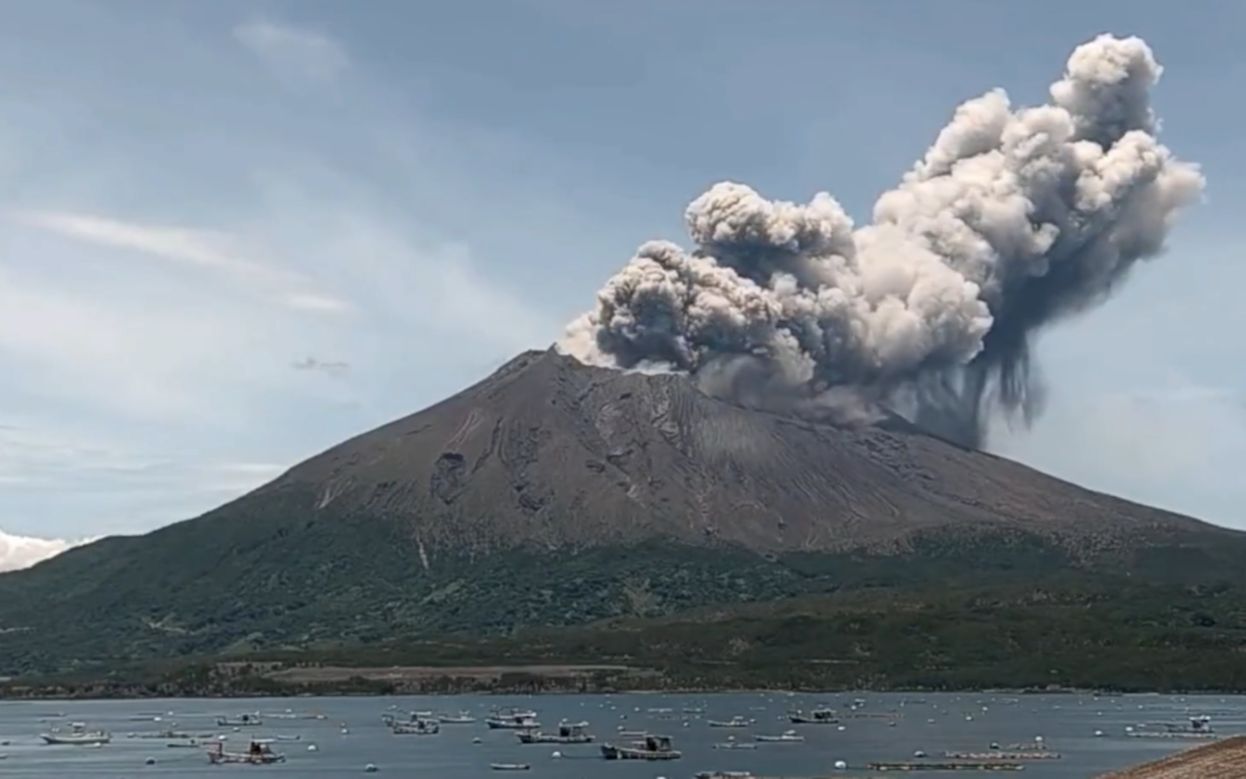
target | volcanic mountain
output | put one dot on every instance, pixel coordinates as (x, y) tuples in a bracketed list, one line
[(554, 493)]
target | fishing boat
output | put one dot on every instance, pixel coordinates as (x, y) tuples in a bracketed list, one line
[(815, 717), (568, 733), (77, 735), (1198, 728), (513, 720), (417, 727), (462, 718), (241, 721), (260, 752), (786, 737), (651, 748), (509, 766), (734, 722)]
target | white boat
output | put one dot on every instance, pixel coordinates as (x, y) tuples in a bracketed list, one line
[(568, 733), (418, 727), (241, 721), (513, 720), (259, 753), (787, 737), (509, 766), (734, 745), (462, 718), (734, 722), (651, 748), (77, 735)]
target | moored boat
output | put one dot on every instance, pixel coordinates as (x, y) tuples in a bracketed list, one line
[(260, 752), (77, 735), (568, 733), (787, 737), (815, 717), (734, 722), (651, 748), (417, 727), (462, 718), (513, 720), (241, 721)]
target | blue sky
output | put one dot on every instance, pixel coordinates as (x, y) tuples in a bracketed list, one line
[(233, 234)]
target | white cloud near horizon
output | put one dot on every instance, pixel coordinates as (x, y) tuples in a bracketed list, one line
[(18, 552), (294, 53)]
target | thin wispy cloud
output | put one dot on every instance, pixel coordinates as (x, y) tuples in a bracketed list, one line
[(211, 251), (294, 53)]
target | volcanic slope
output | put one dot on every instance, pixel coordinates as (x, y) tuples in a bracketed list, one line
[(553, 493)]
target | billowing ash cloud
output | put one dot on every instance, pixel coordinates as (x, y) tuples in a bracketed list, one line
[(1013, 218)]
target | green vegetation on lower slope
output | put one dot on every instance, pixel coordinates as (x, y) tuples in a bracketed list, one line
[(953, 610)]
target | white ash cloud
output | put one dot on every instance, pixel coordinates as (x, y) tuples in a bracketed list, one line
[(1012, 219)]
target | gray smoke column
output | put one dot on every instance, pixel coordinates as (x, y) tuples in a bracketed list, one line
[(1012, 219)]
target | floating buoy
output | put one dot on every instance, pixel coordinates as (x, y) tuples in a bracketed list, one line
[(476, 740), (1129, 728), (1098, 734), (556, 754), (150, 761), (841, 728), (370, 768), (840, 765), (968, 718), (919, 753), (312, 748), (345, 731)]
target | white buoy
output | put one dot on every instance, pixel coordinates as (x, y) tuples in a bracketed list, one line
[(1098, 734), (556, 754), (370, 768), (476, 740), (840, 765), (312, 748), (345, 731), (1038, 739), (841, 728), (919, 753), (1129, 728)]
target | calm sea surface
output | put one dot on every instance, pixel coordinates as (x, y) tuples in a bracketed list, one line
[(352, 735)]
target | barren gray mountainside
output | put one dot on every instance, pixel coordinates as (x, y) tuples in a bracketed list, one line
[(554, 494), (550, 452)]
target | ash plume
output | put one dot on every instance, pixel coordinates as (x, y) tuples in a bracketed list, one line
[(1013, 218)]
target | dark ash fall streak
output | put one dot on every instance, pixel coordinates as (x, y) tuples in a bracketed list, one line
[(1012, 219)]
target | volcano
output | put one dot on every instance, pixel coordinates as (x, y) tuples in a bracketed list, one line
[(557, 494)]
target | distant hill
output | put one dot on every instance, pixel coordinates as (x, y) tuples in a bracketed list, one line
[(554, 494)]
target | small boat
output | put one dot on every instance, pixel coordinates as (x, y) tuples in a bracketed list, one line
[(509, 766), (652, 748), (419, 727), (568, 733), (77, 735), (633, 733), (815, 717), (734, 722), (787, 737), (734, 745), (259, 753), (723, 775), (513, 720), (462, 718), (241, 721)]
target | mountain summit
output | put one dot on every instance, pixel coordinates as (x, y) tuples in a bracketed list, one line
[(553, 493), (553, 453)]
